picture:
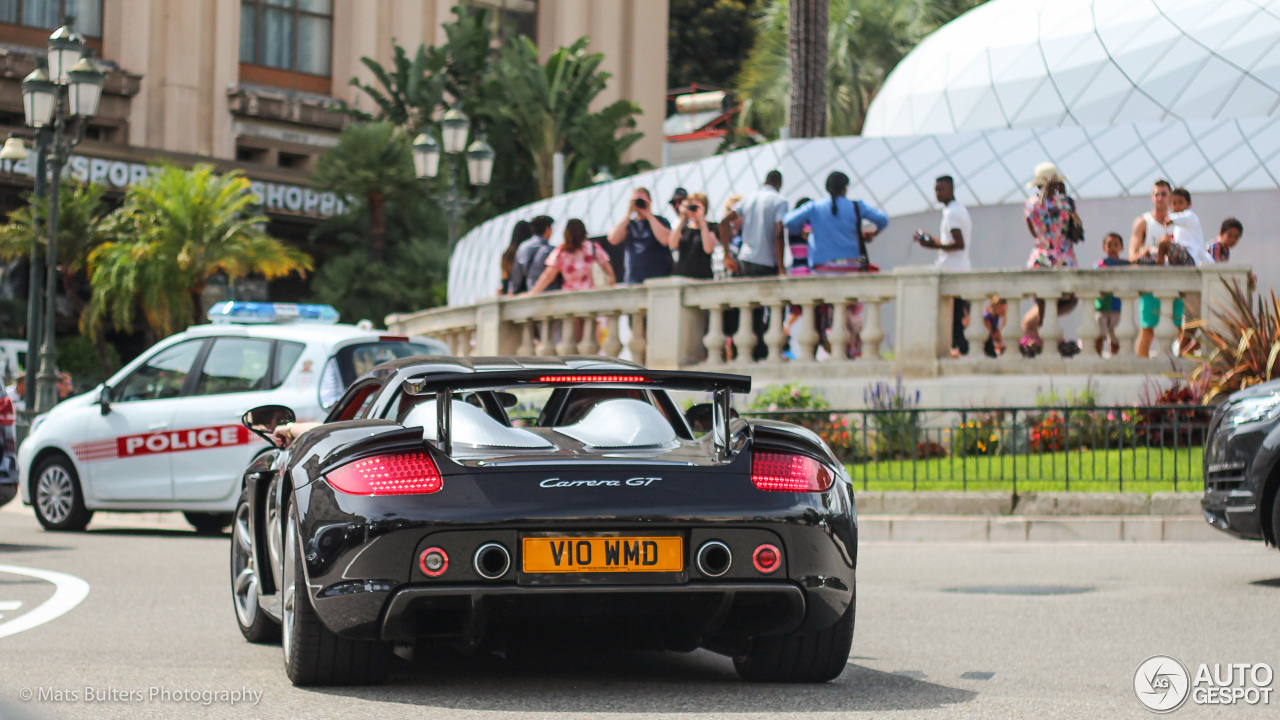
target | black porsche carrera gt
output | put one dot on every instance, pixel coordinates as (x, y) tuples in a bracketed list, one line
[(496, 503)]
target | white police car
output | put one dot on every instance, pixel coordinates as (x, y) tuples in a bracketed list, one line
[(164, 433)]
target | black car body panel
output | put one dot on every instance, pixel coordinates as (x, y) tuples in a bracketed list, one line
[(362, 554), (1242, 470)]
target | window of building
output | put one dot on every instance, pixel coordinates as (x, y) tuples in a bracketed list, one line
[(510, 18), (48, 15), (293, 160), (294, 35), (250, 154)]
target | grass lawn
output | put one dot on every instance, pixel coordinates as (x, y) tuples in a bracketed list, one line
[(1128, 470)]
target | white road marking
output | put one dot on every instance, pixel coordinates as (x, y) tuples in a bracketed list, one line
[(9, 605), (69, 591)]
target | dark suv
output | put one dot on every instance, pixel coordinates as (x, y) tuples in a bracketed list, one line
[(1242, 465)]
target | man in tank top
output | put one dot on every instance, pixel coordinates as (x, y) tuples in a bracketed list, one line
[(1148, 230)]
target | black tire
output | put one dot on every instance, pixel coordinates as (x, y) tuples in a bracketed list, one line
[(209, 523), (57, 496), (312, 654), (1275, 520), (246, 580), (799, 657)]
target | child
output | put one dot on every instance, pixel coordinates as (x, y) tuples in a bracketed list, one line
[(1107, 307), (994, 316), (1186, 230), (1228, 237)]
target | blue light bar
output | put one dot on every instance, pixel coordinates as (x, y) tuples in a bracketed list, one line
[(255, 313)]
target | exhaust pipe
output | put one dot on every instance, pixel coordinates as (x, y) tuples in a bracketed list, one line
[(492, 561), (714, 558)]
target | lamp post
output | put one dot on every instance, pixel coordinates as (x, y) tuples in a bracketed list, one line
[(58, 103), (454, 128)]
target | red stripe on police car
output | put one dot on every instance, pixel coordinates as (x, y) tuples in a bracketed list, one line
[(204, 438)]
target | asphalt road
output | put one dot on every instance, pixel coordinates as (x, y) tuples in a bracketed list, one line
[(158, 615)]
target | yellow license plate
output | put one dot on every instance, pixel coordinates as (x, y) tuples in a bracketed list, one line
[(603, 554)]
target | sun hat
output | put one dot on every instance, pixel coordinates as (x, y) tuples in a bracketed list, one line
[(1046, 172)]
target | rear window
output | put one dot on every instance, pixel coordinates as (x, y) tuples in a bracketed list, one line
[(353, 361)]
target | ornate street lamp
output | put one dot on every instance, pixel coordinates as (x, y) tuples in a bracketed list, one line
[(58, 103), (454, 129)]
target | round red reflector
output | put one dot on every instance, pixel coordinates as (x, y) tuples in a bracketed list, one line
[(766, 558), (433, 562)]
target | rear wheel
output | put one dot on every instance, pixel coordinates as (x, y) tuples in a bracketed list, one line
[(57, 496), (1275, 520), (799, 657), (246, 583), (209, 523), (312, 654)]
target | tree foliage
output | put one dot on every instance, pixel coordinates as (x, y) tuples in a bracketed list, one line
[(865, 40), (372, 164), (707, 41), (174, 231)]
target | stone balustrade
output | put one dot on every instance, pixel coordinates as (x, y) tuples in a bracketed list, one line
[(676, 323)]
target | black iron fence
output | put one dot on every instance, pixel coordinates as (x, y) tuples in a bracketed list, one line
[(1144, 448)]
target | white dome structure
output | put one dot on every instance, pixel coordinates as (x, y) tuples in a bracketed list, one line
[(1051, 63)]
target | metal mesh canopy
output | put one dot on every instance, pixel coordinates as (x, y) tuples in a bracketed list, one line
[(991, 168), (1051, 63)]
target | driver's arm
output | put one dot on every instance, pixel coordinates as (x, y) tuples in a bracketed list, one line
[(287, 433)]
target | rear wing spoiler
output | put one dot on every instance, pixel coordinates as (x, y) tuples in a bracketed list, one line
[(443, 385)]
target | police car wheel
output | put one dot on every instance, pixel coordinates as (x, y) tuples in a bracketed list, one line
[(57, 497), (209, 523), (313, 655), (246, 585)]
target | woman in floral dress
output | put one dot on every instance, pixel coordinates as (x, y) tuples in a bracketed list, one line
[(573, 261), (1048, 213)]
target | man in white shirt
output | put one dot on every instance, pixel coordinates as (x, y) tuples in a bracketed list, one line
[(763, 244), (952, 244), (17, 392)]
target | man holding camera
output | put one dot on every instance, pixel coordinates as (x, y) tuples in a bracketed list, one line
[(644, 237), (952, 245)]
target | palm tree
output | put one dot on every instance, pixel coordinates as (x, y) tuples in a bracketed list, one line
[(548, 106), (81, 212), (373, 163), (865, 40), (174, 231), (808, 45)]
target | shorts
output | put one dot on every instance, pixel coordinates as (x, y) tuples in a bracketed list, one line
[(1149, 310), (1108, 321)]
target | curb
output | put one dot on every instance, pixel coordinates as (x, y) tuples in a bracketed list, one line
[(919, 529), (1030, 504)]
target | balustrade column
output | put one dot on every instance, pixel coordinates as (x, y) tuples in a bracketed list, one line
[(806, 332), (1166, 331), (588, 344), (638, 343), (1014, 349), (775, 338), (744, 341), (568, 336), (1088, 328), (713, 340), (872, 332), (1050, 326), (526, 339), (976, 333), (839, 335), (1126, 331), (546, 347), (612, 341)]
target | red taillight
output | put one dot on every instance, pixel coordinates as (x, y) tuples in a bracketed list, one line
[(7, 414), (410, 473), (592, 378), (783, 472), (766, 558)]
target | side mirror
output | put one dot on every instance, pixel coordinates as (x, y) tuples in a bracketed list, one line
[(104, 398), (699, 417), (508, 400), (264, 419)]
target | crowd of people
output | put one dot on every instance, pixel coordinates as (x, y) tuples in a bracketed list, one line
[(16, 390), (760, 235)]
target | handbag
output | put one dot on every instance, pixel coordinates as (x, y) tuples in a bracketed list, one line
[(1075, 228), (599, 278)]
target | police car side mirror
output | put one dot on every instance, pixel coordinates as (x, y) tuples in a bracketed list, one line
[(264, 419), (104, 398)]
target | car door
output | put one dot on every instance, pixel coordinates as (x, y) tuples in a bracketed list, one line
[(238, 373), (126, 452)]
